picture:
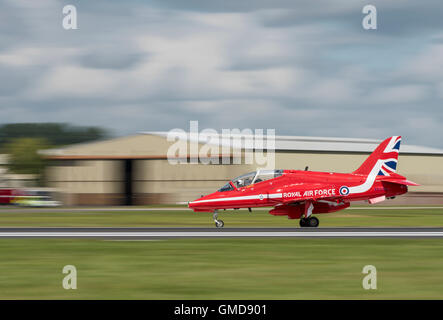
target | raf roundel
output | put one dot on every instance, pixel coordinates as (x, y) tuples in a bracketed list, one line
[(344, 191)]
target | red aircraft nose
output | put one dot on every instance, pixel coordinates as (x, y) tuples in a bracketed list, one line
[(199, 205), (195, 203)]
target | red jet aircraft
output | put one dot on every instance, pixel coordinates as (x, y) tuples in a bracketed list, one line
[(299, 194)]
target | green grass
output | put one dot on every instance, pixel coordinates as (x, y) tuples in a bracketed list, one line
[(222, 268), (358, 217)]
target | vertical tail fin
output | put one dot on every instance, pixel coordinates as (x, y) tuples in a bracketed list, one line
[(385, 156)]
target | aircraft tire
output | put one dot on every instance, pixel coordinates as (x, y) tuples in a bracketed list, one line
[(313, 222), (219, 224), (303, 222)]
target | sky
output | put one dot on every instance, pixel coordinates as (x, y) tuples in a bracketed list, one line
[(304, 68)]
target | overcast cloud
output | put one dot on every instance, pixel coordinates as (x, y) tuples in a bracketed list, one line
[(301, 67)]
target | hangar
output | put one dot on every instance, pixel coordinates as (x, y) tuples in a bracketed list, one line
[(134, 170)]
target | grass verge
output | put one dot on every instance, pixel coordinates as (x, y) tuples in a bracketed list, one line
[(358, 217), (222, 268)]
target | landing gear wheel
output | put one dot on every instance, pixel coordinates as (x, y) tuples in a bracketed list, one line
[(313, 222), (219, 223)]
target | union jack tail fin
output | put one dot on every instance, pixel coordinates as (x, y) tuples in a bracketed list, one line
[(383, 160)]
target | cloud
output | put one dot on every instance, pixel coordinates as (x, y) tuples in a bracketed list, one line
[(426, 65), (302, 68), (400, 94), (67, 81)]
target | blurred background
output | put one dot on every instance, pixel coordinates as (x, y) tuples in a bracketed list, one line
[(53, 164)]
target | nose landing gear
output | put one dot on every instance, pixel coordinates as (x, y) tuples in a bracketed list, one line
[(218, 223)]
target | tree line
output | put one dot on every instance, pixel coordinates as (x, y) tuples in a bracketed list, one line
[(21, 141)]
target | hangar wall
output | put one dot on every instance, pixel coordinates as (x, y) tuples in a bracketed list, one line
[(159, 181), (102, 182), (87, 182), (97, 173)]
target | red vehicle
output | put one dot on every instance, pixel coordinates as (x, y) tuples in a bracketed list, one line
[(299, 194), (7, 195)]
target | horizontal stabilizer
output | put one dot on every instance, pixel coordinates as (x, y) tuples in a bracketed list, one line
[(403, 182)]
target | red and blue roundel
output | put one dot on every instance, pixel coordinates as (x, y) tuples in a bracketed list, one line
[(344, 191)]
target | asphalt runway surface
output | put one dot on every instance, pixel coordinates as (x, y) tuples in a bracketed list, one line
[(172, 233)]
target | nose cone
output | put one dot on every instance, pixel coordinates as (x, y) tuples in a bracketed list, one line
[(191, 204), (201, 204), (195, 203)]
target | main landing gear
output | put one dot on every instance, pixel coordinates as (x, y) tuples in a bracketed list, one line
[(218, 223), (311, 222)]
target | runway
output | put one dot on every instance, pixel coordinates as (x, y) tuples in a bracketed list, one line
[(173, 233)]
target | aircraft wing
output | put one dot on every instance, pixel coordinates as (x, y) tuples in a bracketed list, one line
[(312, 199), (294, 209)]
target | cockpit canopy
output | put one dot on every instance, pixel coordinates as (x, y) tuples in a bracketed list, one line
[(251, 178)]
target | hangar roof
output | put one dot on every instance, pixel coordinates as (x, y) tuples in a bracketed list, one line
[(301, 143), (154, 145)]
